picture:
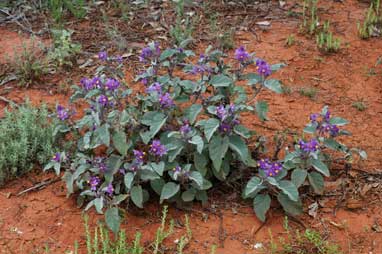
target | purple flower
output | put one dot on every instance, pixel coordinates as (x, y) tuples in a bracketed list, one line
[(310, 146), (139, 156), (109, 189), (241, 54), (103, 100), (102, 55), (111, 84), (221, 112), (185, 129), (62, 113), (56, 157), (119, 59), (156, 87), (166, 101), (313, 118), (97, 82), (225, 128), (270, 168), (94, 181), (157, 148), (263, 68), (87, 84)]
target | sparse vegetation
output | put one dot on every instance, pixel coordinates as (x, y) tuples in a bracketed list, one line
[(326, 42)]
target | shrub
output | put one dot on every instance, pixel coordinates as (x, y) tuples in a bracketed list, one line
[(26, 138), (180, 135)]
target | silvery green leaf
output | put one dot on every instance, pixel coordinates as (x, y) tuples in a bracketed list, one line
[(338, 121), (317, 182), (128, 179), (113, 220), (261, 205), (238, 145), (262, 110), (120, 142), (320, 167), (220, 80), (137, 195), (289, 189), (290, 207), (189, 195), (253, 184), (197, 178), (198, 141), (298, 177), (169, 190), (217, 149), (274, 85)]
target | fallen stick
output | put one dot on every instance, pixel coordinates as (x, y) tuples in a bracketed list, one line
[(39, 186)]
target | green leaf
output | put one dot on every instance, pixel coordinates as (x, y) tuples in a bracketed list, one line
[(128, 179), (290, 206), (298, 177), (317, 182), (137, 195), (155, 121), (320, 167), (166, 54), (98, 203), (262, 110), (120, 142), (338, 121), (113, 220), (198, 141), (289, 189), (157, 185), (192, 112), (253, 184), (237, 144), (210, 126), (220, 80), (197, 178), (169, 190), (217, 149), (276, 67), (261, 205), (274, 85), (242, 131), (200, 163), (189, 195), (104, 134)]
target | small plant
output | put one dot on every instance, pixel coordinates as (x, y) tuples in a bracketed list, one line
[(309, 92), (290, 40), (309, 242), (372, 24), (99, 241), (58, 7), (26, 139), (309, 15), (64, 51), (184, 27), (359, 105), (30, 64), (325, 40)]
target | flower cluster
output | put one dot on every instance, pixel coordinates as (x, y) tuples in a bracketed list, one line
[(242, 55), (62, 113), (227, 117), (270, 168), (152, 50), (323, 125), (263, 68), (157, 148), (310, 146)]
